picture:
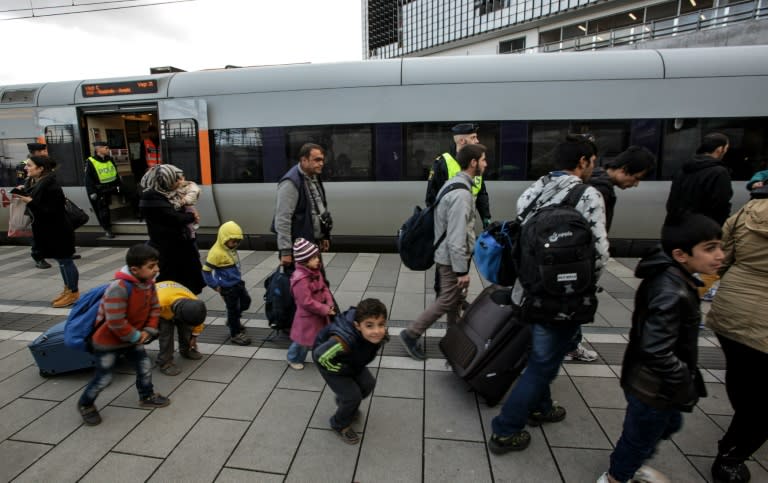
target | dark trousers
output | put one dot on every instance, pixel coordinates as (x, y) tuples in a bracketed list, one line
[(350, 392), (237, 301), (165, 338), (101, 209), (36, 255), (744, 369), (644, 427)]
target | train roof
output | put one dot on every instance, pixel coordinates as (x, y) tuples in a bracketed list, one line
[(571, 66)]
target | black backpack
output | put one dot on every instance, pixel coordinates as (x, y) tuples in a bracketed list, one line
[(279, 305), (557, 264), (416, 238)]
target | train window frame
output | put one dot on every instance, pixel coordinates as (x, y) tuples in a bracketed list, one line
[(13, 151), (178, 158), (62, 148), (220, 156), (327, 136)]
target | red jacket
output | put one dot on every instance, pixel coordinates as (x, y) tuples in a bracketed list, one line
[(313, 300), (122, 318)]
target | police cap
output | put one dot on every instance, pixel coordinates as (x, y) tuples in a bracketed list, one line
[(96, 144), (36, 146), (465, 128)]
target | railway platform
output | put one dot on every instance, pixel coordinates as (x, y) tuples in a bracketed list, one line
[(240, 414)]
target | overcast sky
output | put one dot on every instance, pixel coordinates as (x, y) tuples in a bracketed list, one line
[(199, 34)]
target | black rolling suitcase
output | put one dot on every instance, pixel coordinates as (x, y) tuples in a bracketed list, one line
[(53, 357), (488, 347)]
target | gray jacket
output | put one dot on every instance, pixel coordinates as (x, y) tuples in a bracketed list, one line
[(455, 216)]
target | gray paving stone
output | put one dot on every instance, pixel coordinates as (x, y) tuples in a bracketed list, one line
[(163, 384), (611, 421), (579, 429), (410, 282), (455, 461), (307, 379), (386, 272), (245, 396), (122, 468), (271, 441), (365, 262), (326, 407), (61, 421), (400, 383), (18, 384), (15, 363), (19, 413), (716, 401), (670, 461), (230, 475), (347, 298), (71, 459), (579, 465), (319, 448), (601, 392), (202, 452), (386, 296), (355, 281), (614, 311), (61, 387), (699, 435), (8, 347), (407, 306), (393, 433), (17, 455), (450, 411), (335, 276), (161, 431), (219, 369)]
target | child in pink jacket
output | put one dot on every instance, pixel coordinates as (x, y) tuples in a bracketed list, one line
[(314, 302)]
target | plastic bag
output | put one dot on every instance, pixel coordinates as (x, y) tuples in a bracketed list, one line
[(19, 221)]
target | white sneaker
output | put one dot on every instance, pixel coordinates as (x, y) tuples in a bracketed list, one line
[(603, 478), (646, 474), (297, 366), (581, 354)]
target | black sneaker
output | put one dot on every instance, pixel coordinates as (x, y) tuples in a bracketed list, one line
[(90, 415), (191, 354), (348, 435), (42, 264), (154, 401), (514, 442), (727, 472), (412, 346), (241, 339), (554, 415)]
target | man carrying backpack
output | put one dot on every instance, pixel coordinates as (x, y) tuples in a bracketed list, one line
[(556, 299), (454, 216)]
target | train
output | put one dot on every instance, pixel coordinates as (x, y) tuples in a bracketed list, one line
[(237, 131)]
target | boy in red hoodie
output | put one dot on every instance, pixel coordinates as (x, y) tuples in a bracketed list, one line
[(127, 318)]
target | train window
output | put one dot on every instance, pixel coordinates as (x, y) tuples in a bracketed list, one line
[(349, 149), (61, 148), (12, 152), (180, 146), (238, 155), (18, 96), (426, 141)]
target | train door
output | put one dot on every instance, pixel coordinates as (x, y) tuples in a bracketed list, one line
[(129, 131)]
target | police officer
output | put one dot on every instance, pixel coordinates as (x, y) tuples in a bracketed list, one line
[(101, 182), (446, 167)]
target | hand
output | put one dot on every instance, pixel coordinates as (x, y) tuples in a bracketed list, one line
[(463, 281), (286, 260), (25, 199), (144, 337), (93, 196), (757, 184), (325, 245), (326, 360), (486, 222), (331, 310)]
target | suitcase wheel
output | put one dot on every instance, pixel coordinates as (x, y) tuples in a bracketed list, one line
[(45, 374)]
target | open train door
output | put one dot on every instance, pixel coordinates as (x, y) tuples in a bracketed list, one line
[(184, 143)]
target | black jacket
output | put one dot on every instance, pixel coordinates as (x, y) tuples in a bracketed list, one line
[(659, 365), (602, 182), (703, 185), (54, 236), (357, 353), (438, 177)]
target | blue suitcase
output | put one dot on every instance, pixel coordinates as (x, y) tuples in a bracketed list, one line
[(53, 357)]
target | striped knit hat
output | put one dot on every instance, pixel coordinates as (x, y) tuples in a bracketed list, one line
[(303, 250)]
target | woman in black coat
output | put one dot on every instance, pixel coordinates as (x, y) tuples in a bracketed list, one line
[(179, 257), (53, 234)]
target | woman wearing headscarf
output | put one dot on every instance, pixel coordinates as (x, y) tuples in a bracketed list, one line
[(179, 258), (740, 321), (52, 232)]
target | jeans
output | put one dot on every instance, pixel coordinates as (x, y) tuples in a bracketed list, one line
[(103, 375), (69, 273), (748, 430), (644, 427), (297, 353), (237, 301), (531, 393), (165, 338), (350, 392)]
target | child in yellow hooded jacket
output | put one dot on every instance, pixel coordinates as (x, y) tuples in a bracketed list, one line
[(221, 272)]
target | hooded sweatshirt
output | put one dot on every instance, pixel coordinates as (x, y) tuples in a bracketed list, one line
[(703, 185), (222, 266)]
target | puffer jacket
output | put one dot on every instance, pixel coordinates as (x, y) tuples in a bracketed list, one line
[(222, 265), (659, 365), (738, 311), (455, 216), (357, 353)]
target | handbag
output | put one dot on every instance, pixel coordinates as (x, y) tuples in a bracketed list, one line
[(76, 216), (19, 221)]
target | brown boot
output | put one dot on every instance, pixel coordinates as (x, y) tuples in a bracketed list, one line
[(61, 295), (67, 300)]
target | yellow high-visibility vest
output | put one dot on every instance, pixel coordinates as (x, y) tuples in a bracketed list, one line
[(105, 170), (453, 170)]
